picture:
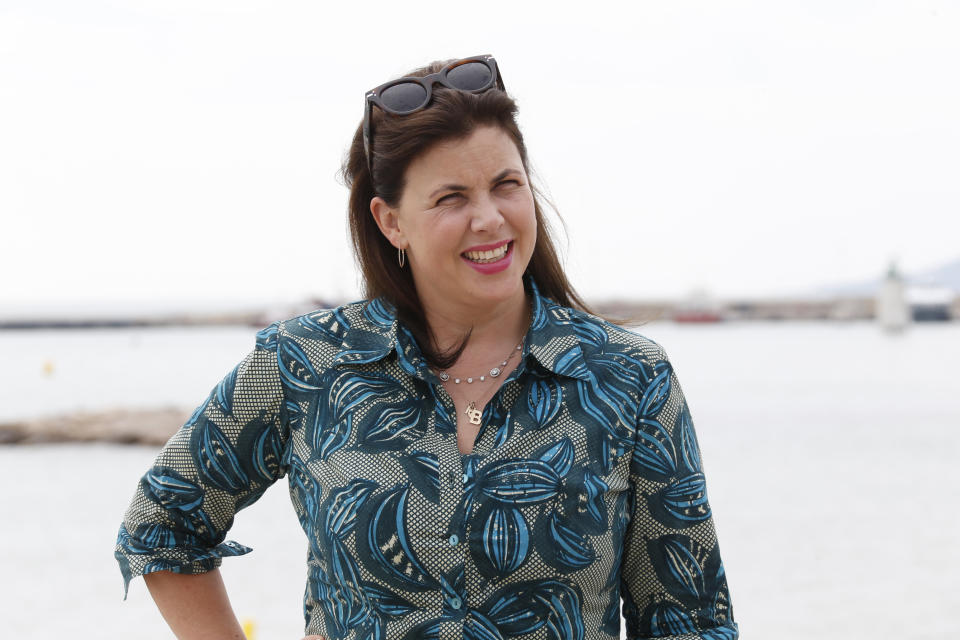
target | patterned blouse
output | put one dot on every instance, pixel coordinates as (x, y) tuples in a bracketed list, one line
[(584, 485)]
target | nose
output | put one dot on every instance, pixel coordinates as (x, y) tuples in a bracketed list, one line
[(486, 216)]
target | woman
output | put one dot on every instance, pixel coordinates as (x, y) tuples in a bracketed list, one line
[(470, 452)]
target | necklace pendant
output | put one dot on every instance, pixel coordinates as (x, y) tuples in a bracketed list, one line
[(473, 413), (494, 372), (444, 376)]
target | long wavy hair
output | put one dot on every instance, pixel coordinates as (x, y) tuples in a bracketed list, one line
[(396, 141)]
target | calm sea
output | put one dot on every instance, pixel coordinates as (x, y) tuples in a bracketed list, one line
[(830, 452)]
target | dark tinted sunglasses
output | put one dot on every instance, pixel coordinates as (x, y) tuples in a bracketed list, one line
[(410, 94)]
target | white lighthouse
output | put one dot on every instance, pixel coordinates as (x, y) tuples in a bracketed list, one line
[(893, 311)]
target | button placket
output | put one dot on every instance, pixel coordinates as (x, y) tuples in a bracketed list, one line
[(453, 480)]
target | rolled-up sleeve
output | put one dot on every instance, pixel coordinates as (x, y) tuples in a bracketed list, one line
[(220, 461), (673, 582)]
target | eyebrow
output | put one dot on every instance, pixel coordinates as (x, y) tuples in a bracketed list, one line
[(459, 187)]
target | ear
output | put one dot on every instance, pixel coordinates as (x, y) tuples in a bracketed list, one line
[(389, 222)]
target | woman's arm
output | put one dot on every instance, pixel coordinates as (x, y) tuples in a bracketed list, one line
[(220, 461), (674, 585), (195, 606)]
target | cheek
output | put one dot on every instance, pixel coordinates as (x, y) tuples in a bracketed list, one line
[(525, 220), (439, 241)]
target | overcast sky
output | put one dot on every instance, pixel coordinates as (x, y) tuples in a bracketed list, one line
[(169, 151)]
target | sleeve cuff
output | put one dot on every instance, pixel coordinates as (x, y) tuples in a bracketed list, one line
[(185, 560), (729, 631)]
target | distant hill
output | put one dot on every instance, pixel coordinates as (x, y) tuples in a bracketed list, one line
[(946, 275)]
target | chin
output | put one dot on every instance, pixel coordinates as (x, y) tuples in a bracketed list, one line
[(498, 288)]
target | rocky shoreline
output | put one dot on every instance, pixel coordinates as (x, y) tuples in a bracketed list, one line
[(118, 426)]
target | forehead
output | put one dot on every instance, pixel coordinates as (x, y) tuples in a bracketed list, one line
[(486, 152)]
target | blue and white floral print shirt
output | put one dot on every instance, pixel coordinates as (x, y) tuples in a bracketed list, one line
[(584, 485)]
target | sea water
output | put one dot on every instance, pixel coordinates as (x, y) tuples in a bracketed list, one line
[(830, 452)]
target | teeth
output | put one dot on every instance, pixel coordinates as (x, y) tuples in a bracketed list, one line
[(487, 256)]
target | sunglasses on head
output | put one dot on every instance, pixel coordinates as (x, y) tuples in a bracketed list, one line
[(409, 94)]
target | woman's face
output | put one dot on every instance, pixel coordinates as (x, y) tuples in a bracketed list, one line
[(466, 220)]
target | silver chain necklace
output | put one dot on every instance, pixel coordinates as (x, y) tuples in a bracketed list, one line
[(472, 411), (493, 373)]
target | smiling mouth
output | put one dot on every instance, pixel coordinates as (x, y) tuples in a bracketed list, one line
[(486, 257)]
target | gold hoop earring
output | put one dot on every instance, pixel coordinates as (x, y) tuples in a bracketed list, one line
[(401, 256)]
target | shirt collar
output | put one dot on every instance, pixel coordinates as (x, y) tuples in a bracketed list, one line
[(551, 339)]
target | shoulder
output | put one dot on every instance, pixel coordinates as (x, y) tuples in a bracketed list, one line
[(598, 335), (306, 346), (324, 325), (322, 333)]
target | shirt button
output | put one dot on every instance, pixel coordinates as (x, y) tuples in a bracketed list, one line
[(455, 602), (453, 540)]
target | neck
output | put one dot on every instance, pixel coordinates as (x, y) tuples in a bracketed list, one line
[(491, 326)]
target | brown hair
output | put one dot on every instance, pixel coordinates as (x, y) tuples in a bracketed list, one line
[(396, 141)]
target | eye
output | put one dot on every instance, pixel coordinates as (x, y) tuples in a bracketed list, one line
[(510, 181), (447, 199)]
